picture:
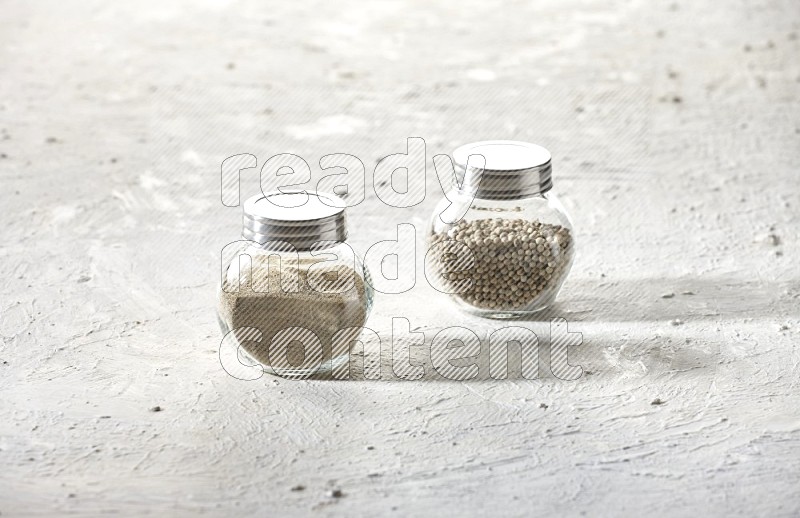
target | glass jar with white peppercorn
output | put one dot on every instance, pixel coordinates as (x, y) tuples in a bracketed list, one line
[(500, 243)]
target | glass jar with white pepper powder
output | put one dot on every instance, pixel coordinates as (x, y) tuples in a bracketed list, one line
[(500, 242), (293, 294)]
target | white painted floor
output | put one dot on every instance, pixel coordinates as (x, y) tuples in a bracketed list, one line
[(675, 132)]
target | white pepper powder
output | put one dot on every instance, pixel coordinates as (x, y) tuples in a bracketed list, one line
[(273, 297)]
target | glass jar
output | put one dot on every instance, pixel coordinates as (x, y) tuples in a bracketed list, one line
[(501, 244), (293, 286)]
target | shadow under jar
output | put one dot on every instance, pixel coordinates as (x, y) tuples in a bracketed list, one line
[(305, 294), (512, 249)]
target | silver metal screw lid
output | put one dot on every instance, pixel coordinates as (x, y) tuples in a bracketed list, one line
[(513, 169), (300, 218)]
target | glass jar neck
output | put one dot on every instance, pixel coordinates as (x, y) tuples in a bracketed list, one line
[(477, 199), (288, 246)]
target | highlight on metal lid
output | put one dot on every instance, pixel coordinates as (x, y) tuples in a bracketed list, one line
[(299, 218)]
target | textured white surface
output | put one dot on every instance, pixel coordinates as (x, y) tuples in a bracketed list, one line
[(675, 132)]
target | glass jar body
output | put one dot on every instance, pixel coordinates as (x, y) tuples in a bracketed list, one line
[(285, 308), (502, 258)]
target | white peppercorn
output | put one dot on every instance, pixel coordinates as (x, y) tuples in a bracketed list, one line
[(519, 263)]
